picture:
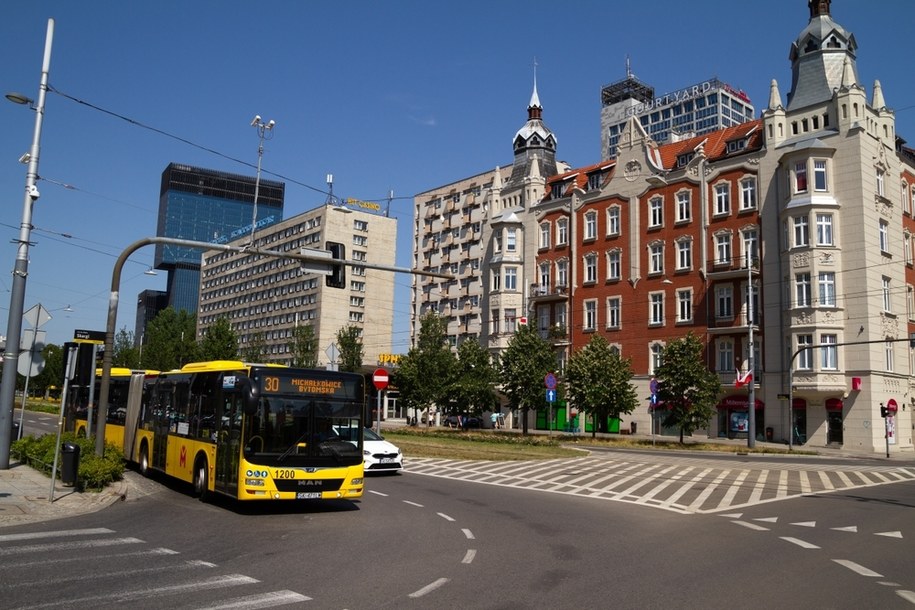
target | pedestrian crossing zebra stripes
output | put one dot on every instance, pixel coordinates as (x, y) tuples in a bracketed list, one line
[(680, 484)]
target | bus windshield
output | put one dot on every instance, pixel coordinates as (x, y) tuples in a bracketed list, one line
[(293, 430)]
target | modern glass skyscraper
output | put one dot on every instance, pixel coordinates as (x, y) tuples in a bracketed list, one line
[(211, 206)]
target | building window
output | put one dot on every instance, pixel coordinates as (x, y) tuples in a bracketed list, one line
[(614, 307), (880, 182), (827, 289), (724, 302), (888, 350), (907, 248), (748, 194), (804, 356), (556, 190), (884, 237), (800, 177), (590, 225), (511, 242), (496, 328), (511, 278), (829, 359), (614, 266), (749, 237), (801, 231), (684, 255), (511, 320), (824, 229), (684, 305), (562, 232), (722, 199), (656, 258), (655, 212), (725, 355), (613, 220), (545, 235), (723, 249), (684, 207), (819, 175), (496, 279), (910, 301), (562, 274), (656, 357), (594, 181), (590, 268), (590, 321), (656, 309), (885, 288), (802, 290)]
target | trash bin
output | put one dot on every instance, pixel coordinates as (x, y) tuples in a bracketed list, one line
[(69, 467), (633, 428), (770, 434)]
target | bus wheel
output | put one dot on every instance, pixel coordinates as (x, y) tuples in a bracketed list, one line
[(201, 480), (144, 460)]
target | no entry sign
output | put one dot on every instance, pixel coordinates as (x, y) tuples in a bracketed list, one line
[(380, 379)]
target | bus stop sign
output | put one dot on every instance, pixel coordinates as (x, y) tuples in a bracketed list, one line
[(380, 379)]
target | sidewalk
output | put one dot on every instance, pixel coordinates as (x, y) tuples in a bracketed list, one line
[(25, 497)]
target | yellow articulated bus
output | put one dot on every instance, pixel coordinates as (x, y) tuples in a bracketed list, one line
[(124, 385), (252, 431)]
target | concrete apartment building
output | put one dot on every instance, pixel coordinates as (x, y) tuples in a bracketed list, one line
[(803, 216), (266, 297)]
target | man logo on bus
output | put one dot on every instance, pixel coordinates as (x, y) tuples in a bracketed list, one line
[(182, 461)]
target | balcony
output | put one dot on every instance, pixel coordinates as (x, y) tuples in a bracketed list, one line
[(544, 293), (731, 268)]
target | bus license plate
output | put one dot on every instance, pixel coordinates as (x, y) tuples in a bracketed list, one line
[(308, 495)]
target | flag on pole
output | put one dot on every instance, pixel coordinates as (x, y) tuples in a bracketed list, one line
[(743, 379)]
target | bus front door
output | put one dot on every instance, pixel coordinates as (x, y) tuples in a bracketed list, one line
[(228, 446)]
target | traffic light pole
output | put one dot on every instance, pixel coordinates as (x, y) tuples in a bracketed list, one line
[(304, 257)]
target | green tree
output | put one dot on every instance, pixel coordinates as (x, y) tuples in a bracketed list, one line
[(171, 341), (688, 390), (599, 382), (523, 365), (125, 353), (473, 385), (423, 375), (255, 350), (51, 376), (349, 342), (219, 341), (304, 347)]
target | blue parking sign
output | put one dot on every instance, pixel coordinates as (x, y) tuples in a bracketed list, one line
[(551, 395)]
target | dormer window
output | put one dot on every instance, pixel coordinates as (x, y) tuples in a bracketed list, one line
[(594, 181), (736, 145), (684, 159), (556, 190)]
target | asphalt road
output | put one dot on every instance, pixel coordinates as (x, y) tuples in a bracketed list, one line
[(429, 542)]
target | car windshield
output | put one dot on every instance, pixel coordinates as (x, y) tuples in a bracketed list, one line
[(369, 435)]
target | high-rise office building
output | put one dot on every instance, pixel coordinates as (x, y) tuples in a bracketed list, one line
[(693, 110), (209, 206), (264, 298)]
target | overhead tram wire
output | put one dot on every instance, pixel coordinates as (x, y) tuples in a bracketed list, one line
[(212, 151)]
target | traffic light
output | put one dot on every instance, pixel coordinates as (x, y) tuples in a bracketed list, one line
[(882, 411), (337, 277)]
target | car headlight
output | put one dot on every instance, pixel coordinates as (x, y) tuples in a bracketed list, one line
[(366, 452)]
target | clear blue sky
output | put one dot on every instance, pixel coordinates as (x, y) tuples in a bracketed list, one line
[(402, 95)]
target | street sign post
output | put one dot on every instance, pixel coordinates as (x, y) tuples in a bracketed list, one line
[(380, 379)]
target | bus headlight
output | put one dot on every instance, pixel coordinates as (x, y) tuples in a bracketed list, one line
[(357, 481)]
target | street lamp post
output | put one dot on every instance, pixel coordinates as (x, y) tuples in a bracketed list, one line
[(264, 132), (751, 394), (21, 267)]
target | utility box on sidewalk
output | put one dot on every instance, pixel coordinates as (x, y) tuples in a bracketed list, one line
[(69, 468)]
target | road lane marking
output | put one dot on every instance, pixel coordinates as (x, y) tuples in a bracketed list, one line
[(377, 493), (767, 519), (806, 523), (851, 528), (858, 568), (432, 586), (908, 596), (445, 517), (801, 543), (413, 504), (263, 600), (889, 534), (752, 526), (468, 557), (468, 533), (55, 534)]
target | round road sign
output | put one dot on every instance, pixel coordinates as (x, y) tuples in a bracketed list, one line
[(380, 379)]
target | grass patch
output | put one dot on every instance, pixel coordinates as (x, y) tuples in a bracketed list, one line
[(509, 445)]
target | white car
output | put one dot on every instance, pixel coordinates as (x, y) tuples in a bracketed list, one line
[(380, 455)]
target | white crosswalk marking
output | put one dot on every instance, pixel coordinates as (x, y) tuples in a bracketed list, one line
[(687, 484)]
